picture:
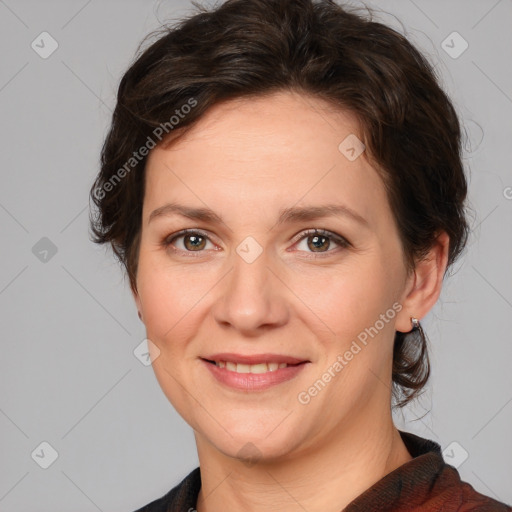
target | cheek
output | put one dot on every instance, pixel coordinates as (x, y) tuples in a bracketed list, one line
[(348, 299), (166, 294)]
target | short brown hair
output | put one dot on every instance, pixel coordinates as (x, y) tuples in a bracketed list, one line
[(256, 47)]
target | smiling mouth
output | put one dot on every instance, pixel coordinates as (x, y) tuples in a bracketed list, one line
[(250, 368)]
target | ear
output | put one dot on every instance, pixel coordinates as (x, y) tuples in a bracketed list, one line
[(138, 302), (424, 284)]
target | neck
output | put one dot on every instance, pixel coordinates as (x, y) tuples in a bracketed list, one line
[(323, 478)]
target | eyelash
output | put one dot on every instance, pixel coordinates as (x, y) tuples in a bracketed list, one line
[(338, 239)]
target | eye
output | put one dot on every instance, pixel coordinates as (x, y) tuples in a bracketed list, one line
[(192, 241), (320, 240), (195, 241)]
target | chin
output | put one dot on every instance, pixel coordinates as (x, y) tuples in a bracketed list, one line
[(256, 451), (250, 445)]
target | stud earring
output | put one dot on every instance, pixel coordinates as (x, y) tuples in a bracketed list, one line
[(415, 323)]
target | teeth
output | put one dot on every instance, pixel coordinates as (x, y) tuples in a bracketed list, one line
[(250, 368)]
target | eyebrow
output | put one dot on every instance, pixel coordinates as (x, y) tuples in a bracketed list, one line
[(286, 215)]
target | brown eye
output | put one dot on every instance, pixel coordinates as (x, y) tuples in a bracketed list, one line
[(196, 242), (192, 241), (320, 241)]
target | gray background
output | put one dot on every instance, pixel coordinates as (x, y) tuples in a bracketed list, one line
[(69, 327)]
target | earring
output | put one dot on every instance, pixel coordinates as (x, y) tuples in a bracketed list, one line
[(415, 323)]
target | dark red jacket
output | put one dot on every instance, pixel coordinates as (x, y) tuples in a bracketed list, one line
[(424, 484)]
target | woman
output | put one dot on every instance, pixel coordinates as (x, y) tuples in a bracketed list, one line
[(283, 183)]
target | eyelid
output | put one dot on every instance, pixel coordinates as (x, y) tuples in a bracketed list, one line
[(169, 240), (338, 239)]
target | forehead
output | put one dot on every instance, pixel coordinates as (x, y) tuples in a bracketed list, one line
[(274, 150), (280, 121)]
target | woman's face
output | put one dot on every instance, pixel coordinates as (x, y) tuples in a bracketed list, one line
[(259, 284)]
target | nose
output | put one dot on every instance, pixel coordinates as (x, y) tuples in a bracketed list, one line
[(253, 297)]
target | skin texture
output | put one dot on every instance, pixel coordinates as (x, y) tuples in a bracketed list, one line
[(247, 159)]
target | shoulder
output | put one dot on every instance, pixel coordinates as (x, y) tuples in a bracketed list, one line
[(471, 500), (158, 505), (444, 490), (181, 498), (451, 494)]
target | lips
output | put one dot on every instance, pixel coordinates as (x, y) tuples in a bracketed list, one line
[(254, 359), (257, 372), (250, 368)]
